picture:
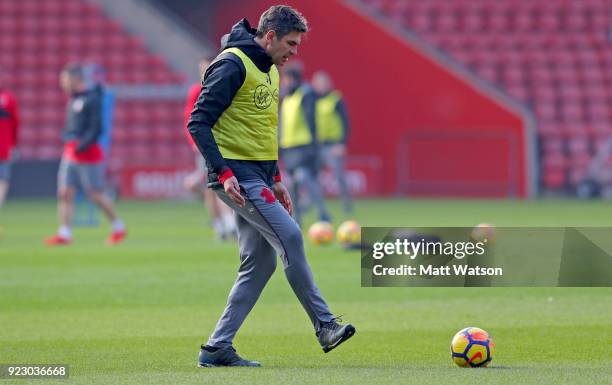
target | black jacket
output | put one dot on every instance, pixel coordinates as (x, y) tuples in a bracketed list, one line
[(222, 80), (84, 119)]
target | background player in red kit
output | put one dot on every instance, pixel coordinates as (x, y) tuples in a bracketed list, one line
[(221, 216), (9, 124)]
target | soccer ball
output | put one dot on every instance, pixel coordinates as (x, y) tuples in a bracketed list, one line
[(349, 233), (483, 231), (321, 233), (472, 347)]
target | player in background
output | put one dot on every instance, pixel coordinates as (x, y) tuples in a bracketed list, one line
[(86, 212), (9, 124), (221, 215), (332, 131), (235, 126), (82, 160), (298, 142)]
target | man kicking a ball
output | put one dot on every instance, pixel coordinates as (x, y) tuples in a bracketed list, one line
[(234, 124)]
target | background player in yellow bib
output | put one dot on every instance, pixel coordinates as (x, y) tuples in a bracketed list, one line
[(235, 126), (299, 144), (332, 131)]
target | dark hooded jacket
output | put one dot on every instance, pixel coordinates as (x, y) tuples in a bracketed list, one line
[(83, 119), (221, 82)]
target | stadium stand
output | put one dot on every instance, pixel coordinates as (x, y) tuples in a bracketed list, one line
[(555, 57), (37, 38)]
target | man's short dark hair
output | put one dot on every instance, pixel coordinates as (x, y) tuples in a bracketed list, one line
[(283, 20), (75, 71), (294, 73)]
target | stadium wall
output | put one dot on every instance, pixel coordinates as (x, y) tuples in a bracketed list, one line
[(436, 131)]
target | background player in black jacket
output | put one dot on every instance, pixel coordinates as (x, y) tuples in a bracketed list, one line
[(82, 159)]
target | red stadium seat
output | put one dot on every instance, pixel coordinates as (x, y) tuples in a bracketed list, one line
[(578, 172), (598, 110), (579, 145), (600, 140), (555, 160), (554, 178), (546, 111), (519, 92)]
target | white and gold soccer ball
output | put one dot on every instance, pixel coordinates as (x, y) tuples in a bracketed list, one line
[(472, 347), (349, 234), (321, 233)]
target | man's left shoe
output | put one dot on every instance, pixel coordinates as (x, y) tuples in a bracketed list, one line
[(211, 357), (116, 237), (58, 240), (331, 334)]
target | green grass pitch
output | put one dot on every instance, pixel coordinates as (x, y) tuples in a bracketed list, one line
[(137, 313)]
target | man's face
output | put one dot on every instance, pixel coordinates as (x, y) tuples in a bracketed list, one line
[(280, 50), (66, 82), (71, 84), (288, 83), (321, 83)]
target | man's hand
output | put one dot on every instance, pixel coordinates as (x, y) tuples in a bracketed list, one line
[(338, 150), (282, 194), (78, 148), (232, 189)]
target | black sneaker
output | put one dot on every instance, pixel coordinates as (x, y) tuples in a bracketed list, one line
[(213, 357), (333, 334)]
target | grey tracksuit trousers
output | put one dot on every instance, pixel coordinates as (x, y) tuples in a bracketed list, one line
[(302, 163), (337, 164), (265, 231)]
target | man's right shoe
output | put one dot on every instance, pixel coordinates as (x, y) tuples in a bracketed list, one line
[(116, 237), (331, 334), (211, 357)]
